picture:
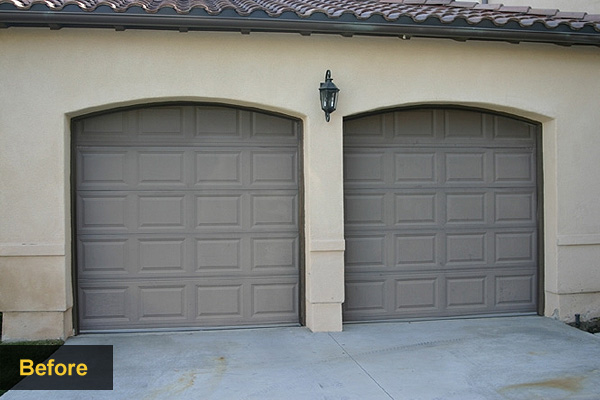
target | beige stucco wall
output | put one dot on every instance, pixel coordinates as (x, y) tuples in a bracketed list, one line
[(51, 76)]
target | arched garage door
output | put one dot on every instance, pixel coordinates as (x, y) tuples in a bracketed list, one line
[(186, 216), (440, 215)]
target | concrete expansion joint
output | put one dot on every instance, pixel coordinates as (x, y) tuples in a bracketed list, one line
[(360, 366)]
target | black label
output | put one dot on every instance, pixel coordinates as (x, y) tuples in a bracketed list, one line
[(56, 367)]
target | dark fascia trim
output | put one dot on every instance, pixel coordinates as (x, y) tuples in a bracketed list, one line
[(188, 22)]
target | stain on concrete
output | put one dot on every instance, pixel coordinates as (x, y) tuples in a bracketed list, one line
[(183, 383), (571, 384)]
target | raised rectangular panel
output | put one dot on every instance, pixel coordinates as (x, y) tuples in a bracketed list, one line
[(508, 128), (274, 253), (161, 255), (217, 167), (415, 208), (161, 211), (371, 127), (103, 212), (462, 167), (218, 211), (415, 167), (468, 291), (104, 302), (274, 168), (513, 167), (416, 294), (514, 207), (463, 124), (414, 123), (516, 289), (465, 207), (274, 298), (363, 167), (365, 250), (103, 167), (218, 254), (515, 246), (160, 121), (215, 301), (465, 248), (162, 302), (274, 210), (364, 209), (161, 167), (365, 295), (103, 256), (216, 122), (104, 124), (269, 125), (415, 249)]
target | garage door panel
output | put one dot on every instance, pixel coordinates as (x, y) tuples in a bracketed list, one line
[(464, 249), (466, 167), (189, 216), (103, 125), (217, 122), (162, 256), (161, 212), (515, 289), (514, 168), (219, 254), (219, 301), (416, 249), (365, 295), (164, 121), (365, 250), (274, 168), (416, 208), (218, 211), (103, 256), (364, 168), (277, 210), (270, 126), (515, 207), (162, 302), (222, 168), (274, 300), (275, 254), (463, 124), (104, 211), (466, 292), (466, 208), (100, 304), (417, 294), (515, 247), (511, 129), (161, 168), (416, 123), (365, 209), (415, 167), (444, 222), (103, 167)]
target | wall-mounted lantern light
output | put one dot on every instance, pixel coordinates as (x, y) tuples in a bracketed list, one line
[(329, 95)]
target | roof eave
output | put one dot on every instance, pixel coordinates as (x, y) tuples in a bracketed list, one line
[(122, 21)]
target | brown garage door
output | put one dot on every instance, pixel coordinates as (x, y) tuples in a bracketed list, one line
[(186, 216), (440, 215)]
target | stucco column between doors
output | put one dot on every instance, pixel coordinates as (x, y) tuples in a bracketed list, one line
[(324, 223)]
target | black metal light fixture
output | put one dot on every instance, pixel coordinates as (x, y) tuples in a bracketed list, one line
[(329, 95)]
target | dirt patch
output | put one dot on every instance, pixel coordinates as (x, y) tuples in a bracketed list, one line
[(591, 326)]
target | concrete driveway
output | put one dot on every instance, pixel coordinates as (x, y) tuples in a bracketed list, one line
[(489, 358)]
